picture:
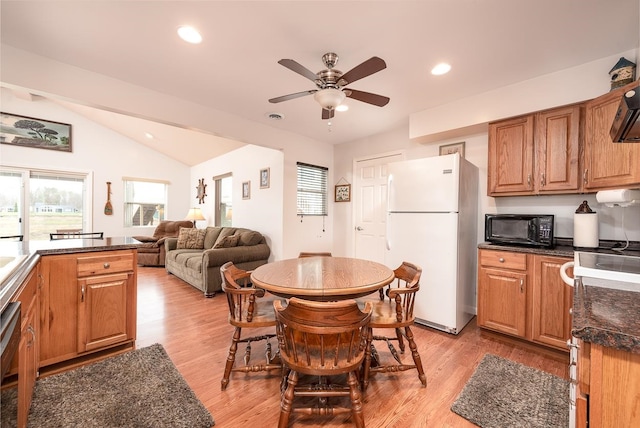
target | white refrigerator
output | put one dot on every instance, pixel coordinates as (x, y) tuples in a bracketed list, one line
[(432, 221)]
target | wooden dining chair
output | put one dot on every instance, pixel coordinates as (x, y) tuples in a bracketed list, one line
[(322, 339), (248, 308), (395, 312), (312, 254), (76, 235), (13, 237)]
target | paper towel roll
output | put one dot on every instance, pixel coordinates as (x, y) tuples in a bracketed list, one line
[(618, 197), (585, 230)]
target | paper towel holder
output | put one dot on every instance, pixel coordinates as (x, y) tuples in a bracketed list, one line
[(618, 197)]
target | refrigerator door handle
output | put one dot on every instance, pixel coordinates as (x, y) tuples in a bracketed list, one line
[(389, 189)]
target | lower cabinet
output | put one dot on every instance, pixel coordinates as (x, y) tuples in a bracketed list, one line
[(25, 361), (88, 303), (608, 382), (522, 295)]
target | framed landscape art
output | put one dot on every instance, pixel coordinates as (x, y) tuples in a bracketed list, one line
[(26, 131)]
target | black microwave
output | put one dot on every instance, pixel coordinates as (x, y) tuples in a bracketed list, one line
[(532, 230)]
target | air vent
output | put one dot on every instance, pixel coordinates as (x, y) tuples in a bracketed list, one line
[(275, 116)]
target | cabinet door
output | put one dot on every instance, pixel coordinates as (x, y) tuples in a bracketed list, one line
[(102, 313), (502, 300), (557, 142), (58, 309), (551, 302), (28, 363), (510, 163), (607, 164)]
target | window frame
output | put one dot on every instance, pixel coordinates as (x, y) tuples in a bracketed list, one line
[(128, 212)]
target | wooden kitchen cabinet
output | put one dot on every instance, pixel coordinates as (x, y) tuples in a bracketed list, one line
[(522, 295), (88, 303), (608, 165), (25, 362), (608, 381), (502, 292), (536, 154), (551, 302)]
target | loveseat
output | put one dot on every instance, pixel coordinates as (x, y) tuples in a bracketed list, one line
[(151, 251), (196, 255)]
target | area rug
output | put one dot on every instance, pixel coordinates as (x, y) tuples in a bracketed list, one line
[(502, 393), (141, 388)]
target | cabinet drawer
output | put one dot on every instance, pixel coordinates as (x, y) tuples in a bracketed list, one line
[(105, 264), (503, 259)]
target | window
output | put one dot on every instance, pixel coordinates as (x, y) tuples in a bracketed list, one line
[(144, 202), (312, 189), (224, 209), (35, 203)]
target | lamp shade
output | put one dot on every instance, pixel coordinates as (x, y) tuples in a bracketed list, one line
[(329, 98), (195, 214)]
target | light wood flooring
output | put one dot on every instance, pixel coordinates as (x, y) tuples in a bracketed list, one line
[(195, 333)]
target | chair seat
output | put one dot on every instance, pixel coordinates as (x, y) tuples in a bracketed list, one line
[(263, 315), (384, 314)]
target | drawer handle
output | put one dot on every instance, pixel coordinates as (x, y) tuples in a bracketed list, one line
[(107, 265), (501, 259)]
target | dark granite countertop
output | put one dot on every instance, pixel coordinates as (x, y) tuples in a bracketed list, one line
[(607, 317), (564, 248), (28, 253)]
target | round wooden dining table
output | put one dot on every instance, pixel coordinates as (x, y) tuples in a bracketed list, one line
[(322, 278)]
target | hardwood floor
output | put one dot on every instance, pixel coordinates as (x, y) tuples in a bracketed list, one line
[(195, 333)]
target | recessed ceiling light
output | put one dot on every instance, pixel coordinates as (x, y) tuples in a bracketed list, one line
[(342, 107), (189, 34), (148, 135), (442, 68)]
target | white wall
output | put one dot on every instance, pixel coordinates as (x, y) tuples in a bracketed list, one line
[(30, 73), (263, 211), (104, 154), (414, 145)]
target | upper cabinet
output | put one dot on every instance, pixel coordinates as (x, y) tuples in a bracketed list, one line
[(536, 154), (608, 165), (562, 150)]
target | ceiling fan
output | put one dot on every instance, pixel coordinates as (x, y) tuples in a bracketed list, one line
[(331, 83)]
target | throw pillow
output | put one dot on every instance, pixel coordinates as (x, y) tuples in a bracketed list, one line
[(228, 242), (191, 238), (250, 238)]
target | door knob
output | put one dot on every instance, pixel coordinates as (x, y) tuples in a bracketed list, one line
[(358, 228)]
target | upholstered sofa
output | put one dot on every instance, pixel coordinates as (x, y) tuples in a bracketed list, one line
[(196, 255), (151, 251)]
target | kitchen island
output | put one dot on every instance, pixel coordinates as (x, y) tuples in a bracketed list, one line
[(77, 302)]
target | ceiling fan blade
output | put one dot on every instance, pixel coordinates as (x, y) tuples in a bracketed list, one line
[(367, 97), (327, 114), (292, 96), (298, 68), (367, 68)]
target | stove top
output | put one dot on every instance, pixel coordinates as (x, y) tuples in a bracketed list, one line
[(607, 266)]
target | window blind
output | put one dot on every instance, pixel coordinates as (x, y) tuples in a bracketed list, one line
[(312, 189)]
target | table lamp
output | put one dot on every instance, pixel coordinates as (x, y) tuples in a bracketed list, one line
[(194, 215)]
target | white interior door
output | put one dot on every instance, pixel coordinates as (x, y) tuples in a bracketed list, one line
[(369, 197)]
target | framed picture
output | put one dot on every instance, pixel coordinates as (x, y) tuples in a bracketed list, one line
[(343, 193), (449, 149), (246, 190), (264, 178), (26, 131)]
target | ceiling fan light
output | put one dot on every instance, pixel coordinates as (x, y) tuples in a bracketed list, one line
[(329, 98), (342, 107)]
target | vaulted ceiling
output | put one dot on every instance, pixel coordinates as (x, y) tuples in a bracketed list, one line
[(489, 43)]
